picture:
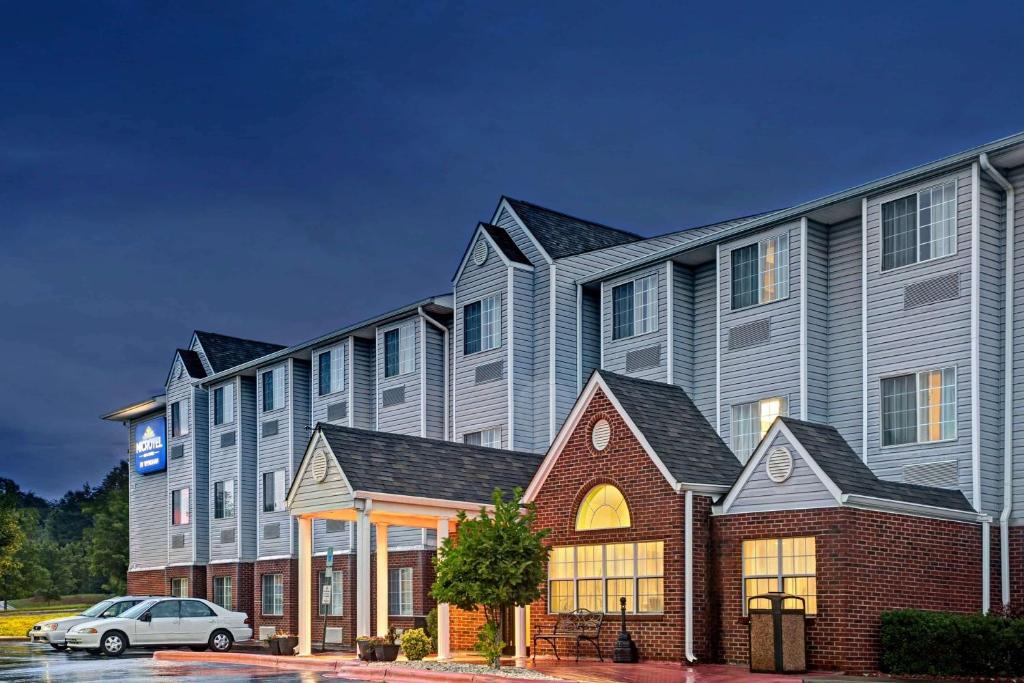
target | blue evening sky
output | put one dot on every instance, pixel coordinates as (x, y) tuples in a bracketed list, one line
[(275, 170)]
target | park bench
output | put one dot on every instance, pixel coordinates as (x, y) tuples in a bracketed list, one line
[(580, 625)]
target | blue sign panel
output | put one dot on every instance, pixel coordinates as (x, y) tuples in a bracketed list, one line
[(150, 446)]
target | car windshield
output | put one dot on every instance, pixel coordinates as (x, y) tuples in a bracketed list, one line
[(97, 609), (136, 612)]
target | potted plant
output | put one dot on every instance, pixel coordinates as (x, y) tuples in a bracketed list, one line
[(365, 646), (387, 650), (283, 644)]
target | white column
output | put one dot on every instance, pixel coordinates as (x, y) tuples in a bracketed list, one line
[(363, 573), (520, 636), (444, 648), (382, 579), (305, 585)]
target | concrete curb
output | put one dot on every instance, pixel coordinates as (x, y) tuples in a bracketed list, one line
[(355, 669)]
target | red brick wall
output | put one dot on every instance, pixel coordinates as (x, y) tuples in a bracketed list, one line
[(241, 584), (1016, 568), (289, 621), (149, 582), (656, 512), (196, 575), (867, 562)]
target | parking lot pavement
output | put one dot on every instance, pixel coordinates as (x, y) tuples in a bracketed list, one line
[(22, 662)]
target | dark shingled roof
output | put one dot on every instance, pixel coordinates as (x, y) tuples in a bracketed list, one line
[(677, 431), (562, 235), (844, 467), (506, 244), (380, 462), (226, 352), (193, 363)]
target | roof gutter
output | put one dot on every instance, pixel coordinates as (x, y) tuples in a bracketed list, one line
[(797, 211), (1008, 336), (902, 507)]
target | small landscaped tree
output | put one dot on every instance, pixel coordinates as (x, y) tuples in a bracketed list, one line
[(496, 562)]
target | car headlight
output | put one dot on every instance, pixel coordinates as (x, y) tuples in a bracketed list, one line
[(49, 627), (85, 630)]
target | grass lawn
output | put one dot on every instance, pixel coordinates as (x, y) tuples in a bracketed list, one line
[(18, 624), (67, 601)]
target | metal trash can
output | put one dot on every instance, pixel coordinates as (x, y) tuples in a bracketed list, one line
[(778, 642)]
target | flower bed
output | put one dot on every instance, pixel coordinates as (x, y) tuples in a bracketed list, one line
[(477, 669)]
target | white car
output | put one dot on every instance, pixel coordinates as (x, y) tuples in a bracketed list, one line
[(163, 622), (53, 631)]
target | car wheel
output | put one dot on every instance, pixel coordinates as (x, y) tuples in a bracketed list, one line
[(94, 651), (59, 647), (221, 641), (113, 643), (198, 648)]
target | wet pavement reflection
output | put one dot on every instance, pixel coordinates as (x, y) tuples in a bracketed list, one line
[(21, 662)]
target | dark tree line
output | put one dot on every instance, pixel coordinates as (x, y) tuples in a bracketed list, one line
[(78, 544)]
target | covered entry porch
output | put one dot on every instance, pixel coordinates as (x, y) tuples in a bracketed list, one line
[(376, 481)]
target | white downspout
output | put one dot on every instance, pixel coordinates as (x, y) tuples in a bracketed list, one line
[(444, 333), (688, 573), (1004, 516)]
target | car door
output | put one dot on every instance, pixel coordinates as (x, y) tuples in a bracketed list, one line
[(197, 621), (163, 626)]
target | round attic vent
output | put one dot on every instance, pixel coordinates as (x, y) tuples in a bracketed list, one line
[(600, 435), (480, 252), (319, 466), (779, 464)]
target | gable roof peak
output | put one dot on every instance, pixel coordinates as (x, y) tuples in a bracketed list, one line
[(224, 352), (561, 234)]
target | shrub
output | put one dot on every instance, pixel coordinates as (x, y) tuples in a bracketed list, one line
[(946, 644), (432, 627), (415, 644)]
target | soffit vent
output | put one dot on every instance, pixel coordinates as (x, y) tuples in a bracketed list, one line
[(227, 536), (337, 411), (489, 372), (941, 474), (480, 252), (779, 464), (393, 396), (933, 290), (319, 465), (600, 435), (750, 334), (641, 359), (227, 439)]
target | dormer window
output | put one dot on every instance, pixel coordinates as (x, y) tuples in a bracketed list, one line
[(482, 325), (400, 350)]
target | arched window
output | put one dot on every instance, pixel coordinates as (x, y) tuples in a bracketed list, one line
[(603, 508)]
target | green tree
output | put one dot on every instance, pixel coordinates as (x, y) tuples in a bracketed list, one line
[(107, 539), (496, 561), (11, 539)]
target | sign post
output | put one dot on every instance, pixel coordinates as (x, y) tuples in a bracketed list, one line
[(326, 594)]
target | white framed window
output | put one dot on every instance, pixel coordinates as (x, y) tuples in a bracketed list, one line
[(635, 307), (596, 577), (488, 438), (179, 418), (273, 491), (224, 404), (400, 591), (400, 350), (919, 227), (222, 591), (179, 587), (180, 507), (224, 499), (481, 325), (760, 272), (919, 407), (780, 564), (331, 370), (750, 422), (336, 594), (272, 598), (272, 382)]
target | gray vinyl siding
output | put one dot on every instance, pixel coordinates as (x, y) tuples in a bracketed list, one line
[(590, 334), (682, 327), (992, 235), (704, 352), (403, 418), (484, 405), (198, 348), (319, 403), (364, 383), (148, 513), (434, 391), (312, 496), (248, 489), (1017, 178), (924, 338), (817, 322), (301, 429), (201, 464), (845, 376), (802, 490), (274, 454), (180, 473), (525, 436), (224, 466), (767, 370), (617, 350)]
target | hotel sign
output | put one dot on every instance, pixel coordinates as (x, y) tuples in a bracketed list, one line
[(150, 446)]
